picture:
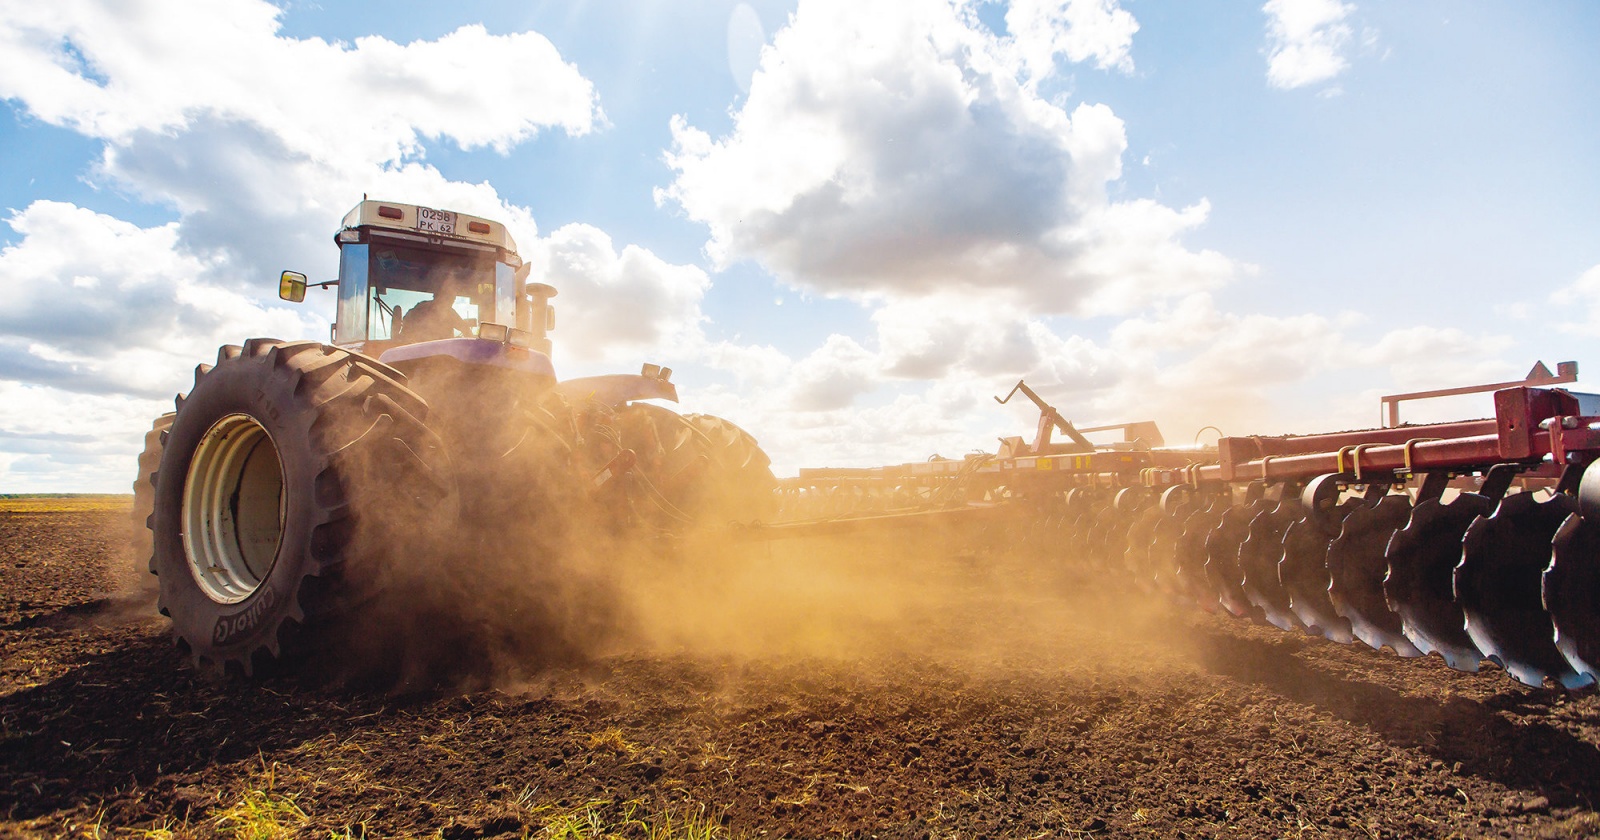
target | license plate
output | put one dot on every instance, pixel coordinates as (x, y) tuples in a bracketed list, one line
[(436, 221)]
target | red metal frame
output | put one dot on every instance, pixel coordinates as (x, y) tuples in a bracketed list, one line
[(1539, 429), (1540, 375)]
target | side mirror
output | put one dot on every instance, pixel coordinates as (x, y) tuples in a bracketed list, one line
[(292, 286)]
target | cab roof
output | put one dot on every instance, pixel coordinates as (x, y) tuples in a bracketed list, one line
[(416, 219)]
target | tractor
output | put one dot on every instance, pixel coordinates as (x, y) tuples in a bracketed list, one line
[(293, 472)]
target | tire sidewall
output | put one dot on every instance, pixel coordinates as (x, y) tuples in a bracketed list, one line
[(250, 386)]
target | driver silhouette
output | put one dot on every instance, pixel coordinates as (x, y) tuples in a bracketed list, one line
[(434, 319)]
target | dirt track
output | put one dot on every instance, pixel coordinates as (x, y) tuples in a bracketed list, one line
[(1065, 729)]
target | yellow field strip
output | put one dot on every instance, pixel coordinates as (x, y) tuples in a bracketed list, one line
[(64, 502)]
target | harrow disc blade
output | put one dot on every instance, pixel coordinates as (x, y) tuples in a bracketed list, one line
[(1422, 557), (1222, 558), (1356, 565), (1100, 522), (1077, 516), (1190, 552), (1176, 508), (1304, 572), (1572, 593), (1259, 556), (1119, 518), (1498, 586), (1138, 554)]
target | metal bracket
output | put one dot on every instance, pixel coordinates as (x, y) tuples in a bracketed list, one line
[(1049, 420)]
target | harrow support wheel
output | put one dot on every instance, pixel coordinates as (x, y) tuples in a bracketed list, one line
[(1498, 586), (277, 465)]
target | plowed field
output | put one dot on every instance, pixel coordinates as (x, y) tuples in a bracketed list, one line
[(1042, 710)]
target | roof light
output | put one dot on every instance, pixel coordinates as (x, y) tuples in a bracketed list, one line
[(521, 338), (390, 212), (493, 332), (349, 235), (478, 227)]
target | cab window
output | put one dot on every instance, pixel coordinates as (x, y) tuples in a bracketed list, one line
[(401, 279)]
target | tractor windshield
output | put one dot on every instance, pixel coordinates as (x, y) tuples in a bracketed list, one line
[(419, 295), (395, 290)]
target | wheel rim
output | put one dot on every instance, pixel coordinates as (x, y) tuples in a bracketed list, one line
[(233, 509)]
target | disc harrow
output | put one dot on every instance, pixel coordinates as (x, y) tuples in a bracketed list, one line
[(1475, 540)]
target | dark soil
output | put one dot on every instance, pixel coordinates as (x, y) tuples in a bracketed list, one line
[(1178, 725)]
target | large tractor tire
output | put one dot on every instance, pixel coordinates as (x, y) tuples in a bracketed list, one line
[(691, 471), (144, 496), (665, 489), (741, 488), (283, 471)]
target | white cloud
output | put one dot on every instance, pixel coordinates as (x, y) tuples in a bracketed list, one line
[(98, 305), (614, 306), (746, 37), (260, 142), (1306, 40), (1581, 300), (57, 442), (893, 149), (110, 70), (104, 322), (1080, 30), (832, 377)]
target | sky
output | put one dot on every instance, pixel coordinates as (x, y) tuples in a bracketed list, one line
[(845, 225)]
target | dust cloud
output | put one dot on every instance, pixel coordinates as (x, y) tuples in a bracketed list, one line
[(553, 574), (483, 550)]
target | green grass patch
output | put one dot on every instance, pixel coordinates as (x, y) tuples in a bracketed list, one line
[(262, 815), (600, 820)]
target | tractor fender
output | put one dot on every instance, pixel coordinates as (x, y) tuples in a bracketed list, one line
[(617, 388), (473, 351)]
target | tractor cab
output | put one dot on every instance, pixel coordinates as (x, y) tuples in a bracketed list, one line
[(411, 274)]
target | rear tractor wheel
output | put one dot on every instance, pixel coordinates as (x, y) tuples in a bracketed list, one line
[(740, 487), (693, 470), (144, 496), (284, 462)]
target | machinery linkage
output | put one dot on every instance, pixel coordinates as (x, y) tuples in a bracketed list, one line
[(1476, 540)]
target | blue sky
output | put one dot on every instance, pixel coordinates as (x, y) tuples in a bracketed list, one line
[(845, 225)]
